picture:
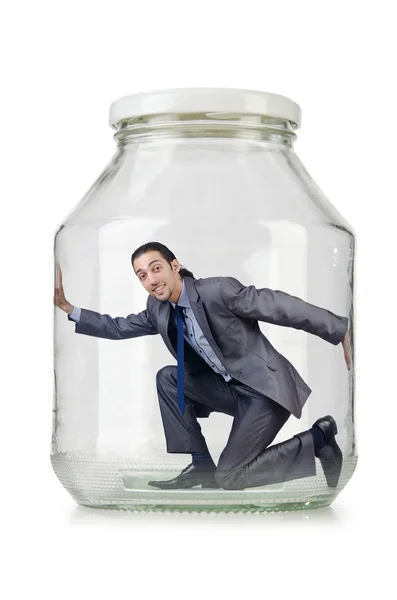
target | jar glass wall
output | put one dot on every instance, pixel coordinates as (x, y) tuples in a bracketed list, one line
[(272, 265)]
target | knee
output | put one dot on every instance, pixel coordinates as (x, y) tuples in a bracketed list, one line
[(234, 480), (166, 373)]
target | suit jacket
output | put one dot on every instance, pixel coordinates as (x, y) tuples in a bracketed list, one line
[(228, 313)]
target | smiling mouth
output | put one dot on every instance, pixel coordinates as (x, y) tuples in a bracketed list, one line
[(159, 289)]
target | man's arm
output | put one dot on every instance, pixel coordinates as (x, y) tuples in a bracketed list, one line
[(280, 308), (96, 324)]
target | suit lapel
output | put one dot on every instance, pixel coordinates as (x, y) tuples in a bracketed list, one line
[(164, 317), (199, 312)]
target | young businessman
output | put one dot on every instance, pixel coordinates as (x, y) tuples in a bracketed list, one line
[(225, 364)]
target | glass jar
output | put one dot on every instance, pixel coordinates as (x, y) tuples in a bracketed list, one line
[(233, 387)]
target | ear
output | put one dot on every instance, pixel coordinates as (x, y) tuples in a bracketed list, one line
[(175, 266)]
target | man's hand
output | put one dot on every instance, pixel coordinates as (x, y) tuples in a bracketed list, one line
[(346, 349), (59, 296)]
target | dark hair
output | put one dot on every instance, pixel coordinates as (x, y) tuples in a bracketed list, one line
[(165, 253)]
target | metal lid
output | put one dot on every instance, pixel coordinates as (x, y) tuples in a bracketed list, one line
[(190, 100)]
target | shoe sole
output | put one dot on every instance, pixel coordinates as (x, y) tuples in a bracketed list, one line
[(202, 484), (333, 478)]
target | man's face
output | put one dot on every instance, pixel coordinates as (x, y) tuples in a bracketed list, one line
[(153, 271)]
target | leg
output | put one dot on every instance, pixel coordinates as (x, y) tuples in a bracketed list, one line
[(246, 460), (183, 433)]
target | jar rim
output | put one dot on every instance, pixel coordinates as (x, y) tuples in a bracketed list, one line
[(226, 101)]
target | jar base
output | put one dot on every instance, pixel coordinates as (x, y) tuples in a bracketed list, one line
[(115, 485), (215, 509)]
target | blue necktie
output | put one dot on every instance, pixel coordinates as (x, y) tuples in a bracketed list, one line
[(180, 357)]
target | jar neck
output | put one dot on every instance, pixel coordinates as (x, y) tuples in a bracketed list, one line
[(201, 125)]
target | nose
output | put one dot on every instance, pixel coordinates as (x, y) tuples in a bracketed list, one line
[(153, 282)]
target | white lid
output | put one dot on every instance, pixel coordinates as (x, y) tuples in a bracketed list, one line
[(185, 100)]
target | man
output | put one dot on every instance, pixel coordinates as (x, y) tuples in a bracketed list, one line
[(228, 366)]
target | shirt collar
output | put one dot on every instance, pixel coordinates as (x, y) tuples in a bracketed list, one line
[(183, 298)]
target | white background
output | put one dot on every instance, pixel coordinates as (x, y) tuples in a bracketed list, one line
[(62, 65)]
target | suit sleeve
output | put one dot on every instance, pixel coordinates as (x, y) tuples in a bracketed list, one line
[(118, 328), (280, 308)]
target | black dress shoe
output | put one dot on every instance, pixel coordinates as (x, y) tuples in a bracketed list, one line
[(190, 477), (330, 454)]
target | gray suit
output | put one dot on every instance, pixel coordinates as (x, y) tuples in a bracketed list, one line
[(264, 391)]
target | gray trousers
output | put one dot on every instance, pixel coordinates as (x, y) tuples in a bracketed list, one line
[(247, 460)]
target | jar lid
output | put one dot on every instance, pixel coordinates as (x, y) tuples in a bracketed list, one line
[(190, 100)]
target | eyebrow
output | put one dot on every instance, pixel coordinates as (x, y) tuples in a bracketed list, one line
[(151, 262)]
